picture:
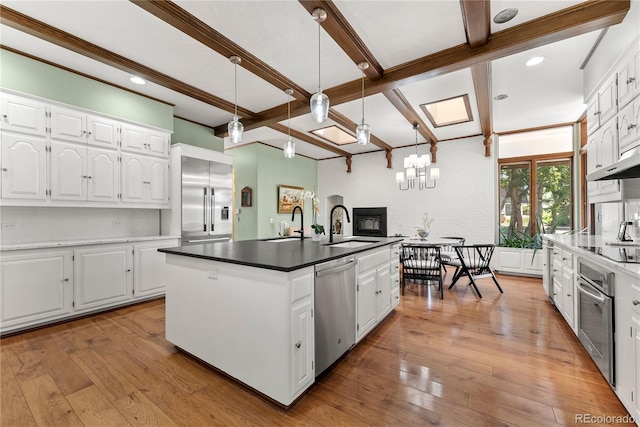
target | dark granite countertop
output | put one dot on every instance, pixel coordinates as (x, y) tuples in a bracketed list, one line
[(283, 255)]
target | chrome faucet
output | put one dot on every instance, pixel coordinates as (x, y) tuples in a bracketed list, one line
[(331, 220), (293, 216)]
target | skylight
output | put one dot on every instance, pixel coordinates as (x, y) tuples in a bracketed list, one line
[(448, 111), (335, 135)]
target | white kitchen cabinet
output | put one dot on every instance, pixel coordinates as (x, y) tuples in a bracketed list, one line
[(568, 296), (628, 123), (102, 276), (302, 348), (22, 115), (628, 84), (137, 139), (603, 105), (84, 173), (366, 302), (565, 285), (149, 268), (602, 151), (145, 179), (394, 267), (518, 261), (373, 290), (627, 342), (24, 167), (36, 287), (77, 126)]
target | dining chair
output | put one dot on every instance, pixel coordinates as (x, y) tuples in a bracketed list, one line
[(421, 265), (447, 253), (474, 262)]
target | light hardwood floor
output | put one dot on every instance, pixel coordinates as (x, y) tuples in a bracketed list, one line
[(504, 360)]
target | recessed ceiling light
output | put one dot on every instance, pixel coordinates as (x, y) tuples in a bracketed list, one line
[(505, 16), (501, 97), (138, 80), (534, 61)]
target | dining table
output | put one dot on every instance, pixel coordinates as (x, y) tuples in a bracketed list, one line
[(429, 241)]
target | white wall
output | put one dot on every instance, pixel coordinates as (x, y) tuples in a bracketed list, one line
[(40, 224), (463, 203)]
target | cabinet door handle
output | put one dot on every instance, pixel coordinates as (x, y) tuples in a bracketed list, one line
[(4, 169), (128, 270), (298, 344), (596, 113), (65, 279), (4, 116), (631, 80), (88, 176), (635, 302), (631, 126)]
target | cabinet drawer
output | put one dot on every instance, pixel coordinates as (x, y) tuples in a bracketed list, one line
[(567, 259), (394, 252), (373, 259)]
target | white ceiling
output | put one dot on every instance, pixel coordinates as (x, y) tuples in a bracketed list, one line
[(283, 35)]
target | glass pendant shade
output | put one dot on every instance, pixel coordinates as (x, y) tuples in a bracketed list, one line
[(411, 173), (319, 107), (399, 177), (289, 148), (435, 173), (363, 133), (235, 130)]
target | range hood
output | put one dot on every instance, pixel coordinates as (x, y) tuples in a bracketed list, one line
[(628, 166)]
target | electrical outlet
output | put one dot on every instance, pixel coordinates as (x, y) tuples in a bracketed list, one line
[(115, 222), (8, 225), (213, 274)]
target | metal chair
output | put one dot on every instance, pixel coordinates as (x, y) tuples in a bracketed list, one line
[(448, 254), (473, 262), (421, 264)]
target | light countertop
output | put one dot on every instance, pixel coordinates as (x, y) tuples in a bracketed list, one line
[(577, 242), (85, 242)]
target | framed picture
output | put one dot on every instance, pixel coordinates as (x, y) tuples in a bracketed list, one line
[(245, 197), (288, 197)]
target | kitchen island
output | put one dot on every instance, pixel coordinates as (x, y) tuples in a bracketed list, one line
[(246, 308)]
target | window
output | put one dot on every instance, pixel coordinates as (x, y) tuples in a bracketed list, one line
[(535, 184)]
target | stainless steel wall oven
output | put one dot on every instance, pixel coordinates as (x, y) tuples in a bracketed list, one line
[(595, 315)]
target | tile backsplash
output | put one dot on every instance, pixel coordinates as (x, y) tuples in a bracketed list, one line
[(42, 224)]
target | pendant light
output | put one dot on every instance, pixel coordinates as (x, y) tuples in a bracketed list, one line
[(319, 101), (289, 146), (235, 127), (363, 131)]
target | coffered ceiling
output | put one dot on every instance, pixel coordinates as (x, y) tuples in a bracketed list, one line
[(418, 51)]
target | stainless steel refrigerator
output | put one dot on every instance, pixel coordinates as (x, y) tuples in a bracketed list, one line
[(206, 201)]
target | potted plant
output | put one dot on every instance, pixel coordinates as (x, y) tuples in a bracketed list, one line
[(317, 231)]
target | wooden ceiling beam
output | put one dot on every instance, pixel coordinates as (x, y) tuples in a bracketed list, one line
[(573, 21), (481, 74), (26, 24), (476, 15), (182, 20), (341, 31), (404, 107)]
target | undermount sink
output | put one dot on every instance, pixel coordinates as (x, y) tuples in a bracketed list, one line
[(283, 239), (352, 244)]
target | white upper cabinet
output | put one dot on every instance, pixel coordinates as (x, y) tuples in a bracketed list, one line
[(145, 179), (24, 167), (628, 85), (137, 139), (22, 115), (628, 122), (602, 106), (77, 126)]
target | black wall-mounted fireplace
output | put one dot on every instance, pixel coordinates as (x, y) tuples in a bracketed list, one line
[(370, 222)]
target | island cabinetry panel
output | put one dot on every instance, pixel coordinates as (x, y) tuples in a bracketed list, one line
[(35, 287), (254, 324), (103, 277), (394, 266), (627, 343), (373, 289), (565, 285)]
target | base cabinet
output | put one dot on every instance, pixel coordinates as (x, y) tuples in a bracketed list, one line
[(517, 261), (377, 287), (42, 286), (102, 276), (35, 287)]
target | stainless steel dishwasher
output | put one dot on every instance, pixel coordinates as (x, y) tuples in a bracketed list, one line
[(335, 307)]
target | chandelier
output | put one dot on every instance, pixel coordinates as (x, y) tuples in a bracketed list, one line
[(417, 174)]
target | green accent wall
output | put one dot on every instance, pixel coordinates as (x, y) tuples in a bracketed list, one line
[(29, 76), (187, 132), (263, 168)]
